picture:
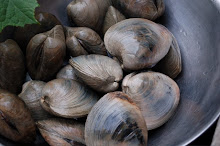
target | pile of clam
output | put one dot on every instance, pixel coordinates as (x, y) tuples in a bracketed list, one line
[(105, 70)]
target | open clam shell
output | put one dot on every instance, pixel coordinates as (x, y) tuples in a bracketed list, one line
[(156, 95)]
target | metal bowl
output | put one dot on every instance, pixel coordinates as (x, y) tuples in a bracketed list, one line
[(196, 26)]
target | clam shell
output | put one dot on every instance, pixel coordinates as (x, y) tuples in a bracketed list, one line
[(15, 119), (171, 64), (112, 17), (115, 120), (149, 9), (31, 94), (12, 67), (140, 40), (99, 72), (62, 132), (67, 98), (83, 40), (88, 13), (45, 54), (156, 95)]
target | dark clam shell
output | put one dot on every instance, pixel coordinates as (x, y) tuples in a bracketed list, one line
[(45, 54), (15, 119), (12, 67), (148, 9)]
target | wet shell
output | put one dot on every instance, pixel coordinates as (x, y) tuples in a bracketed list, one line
[(115, 120), (62, 132), (45, 54), (15, 119), (88, 13), (112, 17), (67, 72), (12, 67), (67, 98), (171, 64), (140, 40), (149, 9), (156, 95), (83, 40), (31, 94), (99, 72)]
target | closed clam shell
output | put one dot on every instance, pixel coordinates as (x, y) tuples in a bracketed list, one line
[(171, 64), (67, 98), (88, 13), (31, 94), (83, 40), (112, 17), (12, 66), (138, 43), (99, 72), (15, 119), (156, 95), (115, 120), (67, 72), (149, 9), (63, 132), (45, 54)]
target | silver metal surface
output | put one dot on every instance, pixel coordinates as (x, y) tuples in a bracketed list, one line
[(196, 25)]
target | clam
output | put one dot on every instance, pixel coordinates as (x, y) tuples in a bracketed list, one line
[(138, 43), (83, 40), (99, 72), (156, 95), (112, 17), (88, 13), (115, 120), (31, 94), (62, 132), (15, 119), (45, 54), (171, 64), (67, 72), (12, 66), (149, 9), (23, 35), (67, 98)]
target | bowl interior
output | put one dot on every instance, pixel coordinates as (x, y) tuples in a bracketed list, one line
[(195, 24)]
